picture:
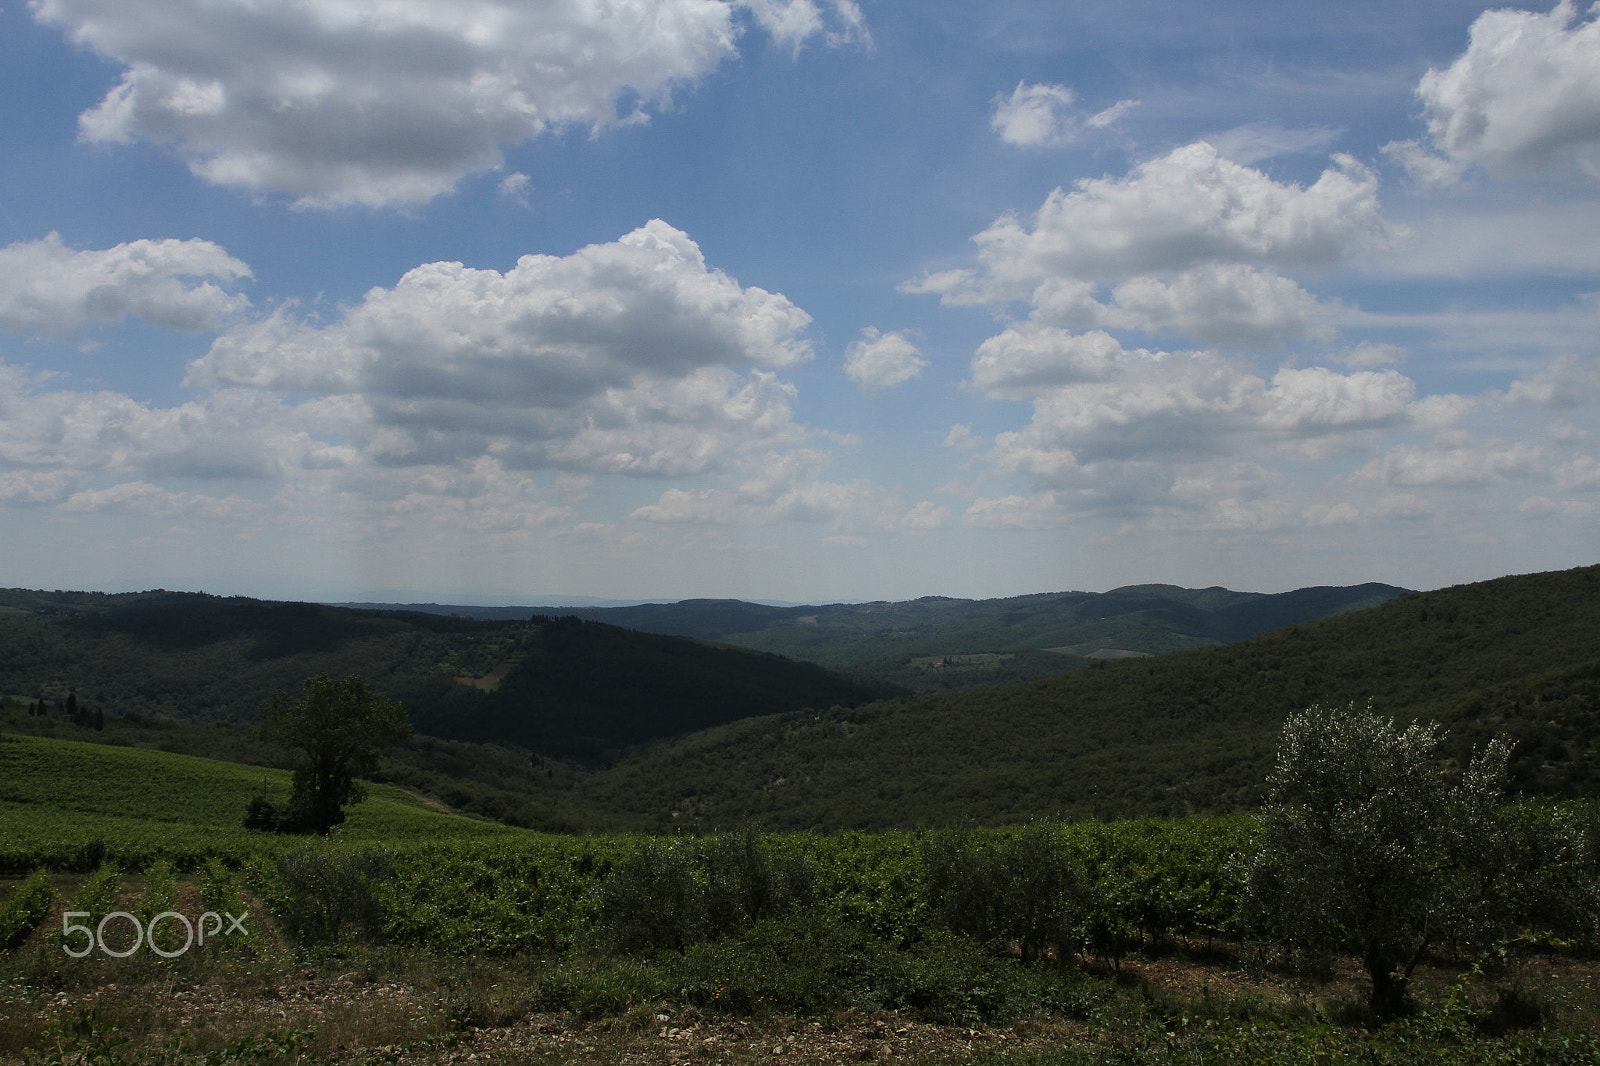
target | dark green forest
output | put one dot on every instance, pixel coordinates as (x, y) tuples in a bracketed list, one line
[(1186, 732), (557, 685), (567, 724)]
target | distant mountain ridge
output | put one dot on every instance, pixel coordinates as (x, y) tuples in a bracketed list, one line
[(937, 643)]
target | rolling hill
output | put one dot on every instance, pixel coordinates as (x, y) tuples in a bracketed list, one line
[(638, 728), (58, 797), (558, 686), (1189, 731)]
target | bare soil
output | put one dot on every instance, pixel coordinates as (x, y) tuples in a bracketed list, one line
[(353, 1018)]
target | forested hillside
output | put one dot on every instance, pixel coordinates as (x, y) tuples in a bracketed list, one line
[(527, 721), (558, 686), (1189, 731)]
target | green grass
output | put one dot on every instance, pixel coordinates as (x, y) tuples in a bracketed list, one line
[(59, 797)]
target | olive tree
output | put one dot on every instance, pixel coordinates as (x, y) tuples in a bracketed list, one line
[(1367, 845), (337, 728)]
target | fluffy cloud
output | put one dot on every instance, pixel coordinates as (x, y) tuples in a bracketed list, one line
[(1188, 208), (789, 487), (842, 507), (1112, 423), (1034, 116), (49, 288), (1190, 243), (32, 487), (231, 435), (426, 409), (390, 103), (1097, 400), (1214, 303), (1030, 358), (620, 358), (1565, 382), (1524, 97), (881, 360)]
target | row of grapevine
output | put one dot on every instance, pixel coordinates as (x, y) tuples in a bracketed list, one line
[(1147, 880), (24, 908)]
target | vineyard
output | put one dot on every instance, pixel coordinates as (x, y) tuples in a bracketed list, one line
[(412, 935)]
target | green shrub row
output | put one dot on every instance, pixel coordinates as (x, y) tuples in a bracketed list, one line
[(25, 908)]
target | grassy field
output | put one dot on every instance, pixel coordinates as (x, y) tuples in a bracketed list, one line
[(60, 797), (417, 936)]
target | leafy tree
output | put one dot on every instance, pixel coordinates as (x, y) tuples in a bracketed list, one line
[(337, 728), (1365, 844)]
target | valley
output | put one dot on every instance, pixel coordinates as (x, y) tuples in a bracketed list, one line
[(605, 844)]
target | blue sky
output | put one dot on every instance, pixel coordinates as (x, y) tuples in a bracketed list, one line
[(805, 300)]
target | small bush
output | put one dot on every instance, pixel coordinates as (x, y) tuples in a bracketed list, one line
[(92, 855), (741, 880), (815, 964), (324, 895)]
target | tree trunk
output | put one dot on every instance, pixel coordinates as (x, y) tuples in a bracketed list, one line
[(1391, 995)]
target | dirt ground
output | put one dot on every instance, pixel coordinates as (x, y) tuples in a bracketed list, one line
[(349, 1018), (351, 1021)]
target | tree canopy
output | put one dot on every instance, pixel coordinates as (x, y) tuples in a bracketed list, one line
[(1365, 844), (337, 728)]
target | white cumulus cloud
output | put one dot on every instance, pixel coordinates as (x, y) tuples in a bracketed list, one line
[(627, 357), (1464, 465), (1107, 421), (1187, 208), (391, 102), (228, 435), (1523, 98), (429, 408), (1029, 358), (1190, 243), (882, 360), (49, 288), (1565, 382), (1217, 303)]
